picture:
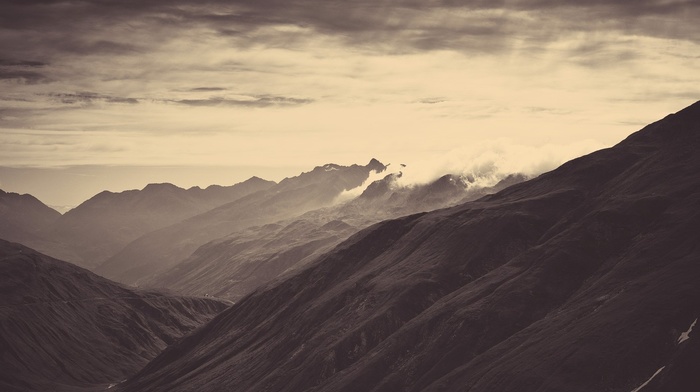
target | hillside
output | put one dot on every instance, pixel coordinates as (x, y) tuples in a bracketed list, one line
[(63, 328), (583, 279)]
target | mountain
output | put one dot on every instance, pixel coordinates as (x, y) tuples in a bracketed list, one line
[(21, 216), (235, 265), (101, 226), (164, 248), (64, 328), (582, 279)]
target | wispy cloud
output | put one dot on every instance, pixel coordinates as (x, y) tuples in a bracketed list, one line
[(89, 98), (23, 76), (22, 71), (21, 63), (206, 89), (255, 101)]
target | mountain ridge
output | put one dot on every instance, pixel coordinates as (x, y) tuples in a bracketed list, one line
[(99, 227), (165, 247)]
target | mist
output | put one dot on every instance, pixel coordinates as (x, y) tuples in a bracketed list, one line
[(488, 162), (482, 164)]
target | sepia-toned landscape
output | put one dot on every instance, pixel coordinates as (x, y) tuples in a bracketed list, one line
[(309, 195)]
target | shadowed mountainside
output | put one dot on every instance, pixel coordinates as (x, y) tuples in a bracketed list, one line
[(101, 226), (582, 279), (63, 328), (162, 249)]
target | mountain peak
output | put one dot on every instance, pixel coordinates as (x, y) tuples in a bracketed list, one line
[(375, 165), (256, 179), (680, 127), (159, 186)]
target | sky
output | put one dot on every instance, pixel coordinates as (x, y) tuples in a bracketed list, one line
[(114, 94)]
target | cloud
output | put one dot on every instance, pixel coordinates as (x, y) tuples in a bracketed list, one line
[(89, 98), (255, 101), (22, 71), (488, 162), (413, 76), (480, 26), (23, 76), (206, 89), (357, 191), (21, 63), (477, 26)]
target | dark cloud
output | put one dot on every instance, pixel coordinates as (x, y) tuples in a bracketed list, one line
[(601, 52), (21, 63), (22, 71), (86, 98), (420, 25), (257, 101), (101, 47), (122, 100), (58, 36), (23, 76), (205, 89), (461, 24)]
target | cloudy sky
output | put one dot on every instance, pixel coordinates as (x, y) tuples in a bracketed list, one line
[(112, 94)]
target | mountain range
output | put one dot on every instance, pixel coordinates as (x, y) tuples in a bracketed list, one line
[(104, 224), (159, 236), (164, 248), (582, 279)]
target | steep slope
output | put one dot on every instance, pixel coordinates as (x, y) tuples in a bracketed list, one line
[(235, 265), (64, 328), (101, 226), (582, 279), (165, 248)]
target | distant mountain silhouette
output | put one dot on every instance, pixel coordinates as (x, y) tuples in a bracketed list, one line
[(583, 279), (63, 328), (23, 215), (164, 248), (101, 226)]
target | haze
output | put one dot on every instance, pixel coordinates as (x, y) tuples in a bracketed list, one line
[(115, 94)]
